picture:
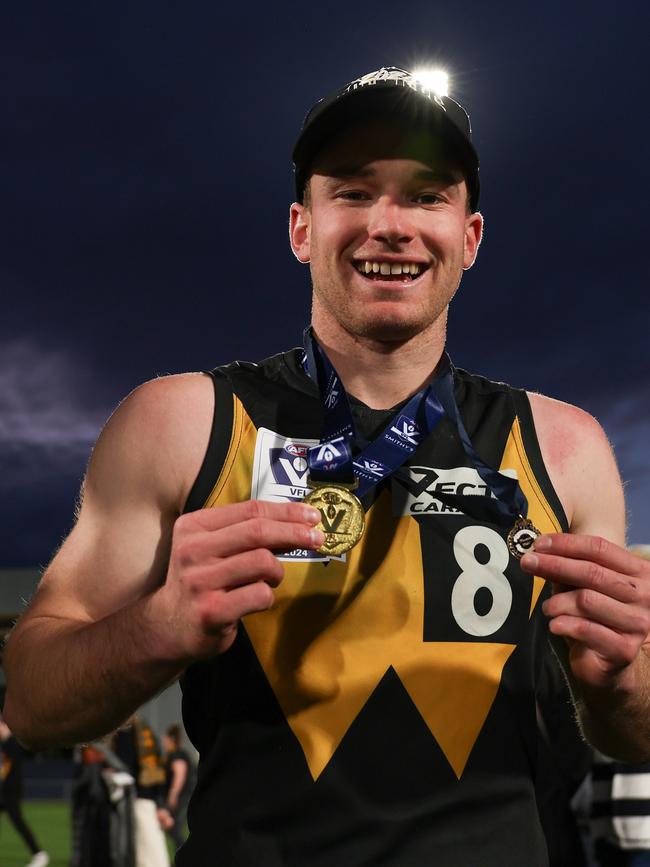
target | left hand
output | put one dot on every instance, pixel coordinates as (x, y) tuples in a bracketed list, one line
[(165, 819), (600, 605)]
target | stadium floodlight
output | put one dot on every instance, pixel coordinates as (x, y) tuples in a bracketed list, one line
[(435, 80)]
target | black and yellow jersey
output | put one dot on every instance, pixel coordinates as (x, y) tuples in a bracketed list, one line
[(383, 711)]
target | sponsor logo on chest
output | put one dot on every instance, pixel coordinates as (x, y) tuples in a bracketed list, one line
[(280, 471), (417, 489), (280, 467)]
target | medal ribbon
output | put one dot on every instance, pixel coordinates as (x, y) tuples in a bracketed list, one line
[(510, 502), (332, 461)]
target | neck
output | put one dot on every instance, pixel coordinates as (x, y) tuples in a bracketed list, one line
[(379, 373)]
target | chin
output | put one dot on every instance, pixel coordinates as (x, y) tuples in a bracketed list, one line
[(389, 330)]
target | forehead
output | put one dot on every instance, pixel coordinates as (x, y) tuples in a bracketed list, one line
[(367, 141)]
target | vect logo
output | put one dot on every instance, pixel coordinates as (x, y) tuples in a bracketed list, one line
[(421, 490)]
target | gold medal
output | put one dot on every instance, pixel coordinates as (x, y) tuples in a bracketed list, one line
[(342, 517), (521, 537)]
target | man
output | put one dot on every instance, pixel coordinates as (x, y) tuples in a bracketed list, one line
[(11, 793), (364, 705), (136, 746), (180, 782)]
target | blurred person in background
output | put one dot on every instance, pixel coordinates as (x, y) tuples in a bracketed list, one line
[(11, 792), (180, 781), (137, 747), (102, 809)]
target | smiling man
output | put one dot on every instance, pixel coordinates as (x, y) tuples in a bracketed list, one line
[(347, 550)]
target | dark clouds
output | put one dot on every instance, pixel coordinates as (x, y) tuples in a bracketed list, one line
[(146, 183), (47, 427)]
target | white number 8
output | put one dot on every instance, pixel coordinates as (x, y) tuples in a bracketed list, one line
[(476, 575)]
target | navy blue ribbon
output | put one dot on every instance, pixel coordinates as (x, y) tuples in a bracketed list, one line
[(333, 462), (509, 500)]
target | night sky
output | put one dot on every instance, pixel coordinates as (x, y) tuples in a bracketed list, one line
[(146, 179)]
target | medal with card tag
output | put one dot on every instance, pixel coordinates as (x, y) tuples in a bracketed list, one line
[(334, 472)]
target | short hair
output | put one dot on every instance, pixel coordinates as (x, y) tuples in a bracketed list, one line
[(174, 732)]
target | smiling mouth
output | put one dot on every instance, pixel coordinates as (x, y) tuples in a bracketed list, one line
[(397, 271)]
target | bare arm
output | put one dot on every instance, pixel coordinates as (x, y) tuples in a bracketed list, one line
[(600, 607), (179, 775), (136, 593)]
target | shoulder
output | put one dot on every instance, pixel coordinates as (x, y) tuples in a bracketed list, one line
[(581, 465), (566, 432), (159, 431), (166, 401)]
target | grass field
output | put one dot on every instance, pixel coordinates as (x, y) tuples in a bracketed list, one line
[(50, 823)]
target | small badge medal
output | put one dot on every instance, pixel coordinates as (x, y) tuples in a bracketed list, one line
[(521, 537), (342, 516)]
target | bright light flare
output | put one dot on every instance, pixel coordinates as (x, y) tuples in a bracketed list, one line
[(435, 80)]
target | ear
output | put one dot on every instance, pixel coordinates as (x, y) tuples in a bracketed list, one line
[(299, 231), (472, 239)]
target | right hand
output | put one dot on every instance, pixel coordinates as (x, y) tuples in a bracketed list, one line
[(221, 567)]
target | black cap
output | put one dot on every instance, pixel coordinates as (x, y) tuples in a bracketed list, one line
[(392, 92)]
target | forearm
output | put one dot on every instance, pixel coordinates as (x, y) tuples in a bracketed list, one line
[(616, 720), (177, 784), (173, 794), (69, 682)]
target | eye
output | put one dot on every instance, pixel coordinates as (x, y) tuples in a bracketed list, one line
[(352, 195), (428, 198)]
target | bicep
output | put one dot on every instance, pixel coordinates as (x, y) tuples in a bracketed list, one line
[(111, 558), (134, 488), (179, 770), (599, 508), (582, 468)]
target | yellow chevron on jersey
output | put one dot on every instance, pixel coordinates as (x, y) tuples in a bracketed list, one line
[(539, 510), (336, 629)]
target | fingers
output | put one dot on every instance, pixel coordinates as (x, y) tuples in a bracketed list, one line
[(222, 609), (244, 568), (229, 530), (591, 605), (584, 573), (605, 603), (235, 513), (593, 549), (603, 650), (248, 535), (222, 567)]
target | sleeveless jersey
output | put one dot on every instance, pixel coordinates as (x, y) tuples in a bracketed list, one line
[(382, 712)]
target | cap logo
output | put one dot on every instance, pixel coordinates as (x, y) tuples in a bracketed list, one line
[(399, 77)]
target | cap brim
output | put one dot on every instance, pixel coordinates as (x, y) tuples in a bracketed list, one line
[(411, 108)]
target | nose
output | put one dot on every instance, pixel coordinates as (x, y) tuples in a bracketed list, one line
[(389, 222)]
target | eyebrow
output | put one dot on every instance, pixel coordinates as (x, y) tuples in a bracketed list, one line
[(441, 176)]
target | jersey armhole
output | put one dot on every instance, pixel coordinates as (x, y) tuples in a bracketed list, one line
[(215, 456), (534, 454)]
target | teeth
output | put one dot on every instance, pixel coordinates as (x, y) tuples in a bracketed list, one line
[(396, 268)]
